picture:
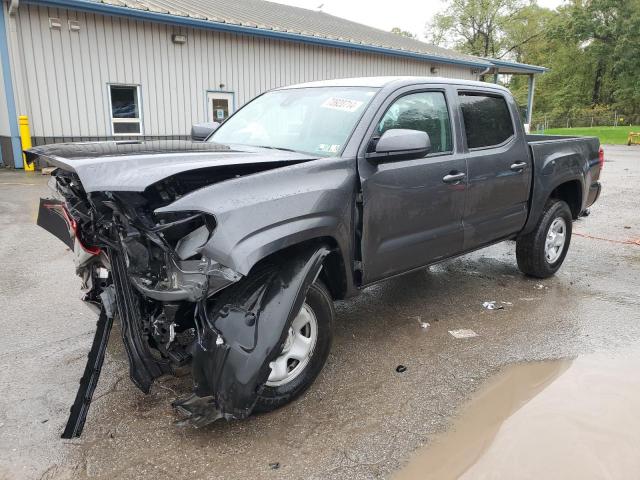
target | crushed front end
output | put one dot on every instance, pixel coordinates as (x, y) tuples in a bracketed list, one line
[(144, 267)]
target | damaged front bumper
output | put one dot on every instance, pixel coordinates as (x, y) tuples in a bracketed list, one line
[(175, 305)]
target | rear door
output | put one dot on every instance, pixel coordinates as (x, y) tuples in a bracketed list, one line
[(411, 215), (499, 166), (220, 105)]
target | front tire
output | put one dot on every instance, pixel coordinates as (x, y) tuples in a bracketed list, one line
[(541, 252), (310, 336)]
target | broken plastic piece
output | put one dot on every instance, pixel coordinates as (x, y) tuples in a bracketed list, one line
[(463, 333), (143, 366), (418, 318), (89, 380), (401, 369), (492, 305)]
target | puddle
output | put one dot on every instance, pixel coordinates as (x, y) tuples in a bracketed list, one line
[(552, 420)]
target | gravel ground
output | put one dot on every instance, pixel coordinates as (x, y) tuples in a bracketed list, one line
[(361, 419)]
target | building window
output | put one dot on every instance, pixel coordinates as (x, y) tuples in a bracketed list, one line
[(487, 121), (125, 109)]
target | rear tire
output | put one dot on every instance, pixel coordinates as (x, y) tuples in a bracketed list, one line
[(319, 302), (539, 252)]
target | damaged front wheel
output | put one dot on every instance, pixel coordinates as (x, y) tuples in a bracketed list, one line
[(304, 353)]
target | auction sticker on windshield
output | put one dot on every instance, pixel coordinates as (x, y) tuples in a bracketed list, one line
[(343, 104), (324, 147)]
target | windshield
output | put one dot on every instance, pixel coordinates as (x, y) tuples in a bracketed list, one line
[(317, 121)]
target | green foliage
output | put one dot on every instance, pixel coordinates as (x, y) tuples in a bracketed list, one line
[(403, 33), (592, 48), (607, 135), (477, 27)]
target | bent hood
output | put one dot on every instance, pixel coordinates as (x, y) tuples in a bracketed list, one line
[(134, 165)]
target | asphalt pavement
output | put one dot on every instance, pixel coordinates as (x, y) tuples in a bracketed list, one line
[(362, 418)]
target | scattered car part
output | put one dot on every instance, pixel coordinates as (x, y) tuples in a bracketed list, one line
[(89, 380), (463, 333)]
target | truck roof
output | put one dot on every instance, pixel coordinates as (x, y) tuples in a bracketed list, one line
[(397, 81)]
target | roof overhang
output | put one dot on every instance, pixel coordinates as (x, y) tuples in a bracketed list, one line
[(515, 68), (108, 9)]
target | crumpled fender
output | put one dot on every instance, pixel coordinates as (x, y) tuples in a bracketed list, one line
[(243, 332)]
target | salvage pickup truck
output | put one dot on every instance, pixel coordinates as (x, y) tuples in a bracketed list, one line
[(228, 254)]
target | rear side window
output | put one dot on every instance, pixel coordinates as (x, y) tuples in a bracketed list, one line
[(425, 111), (487, 120)]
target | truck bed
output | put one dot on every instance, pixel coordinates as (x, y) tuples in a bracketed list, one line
[(558, 159)]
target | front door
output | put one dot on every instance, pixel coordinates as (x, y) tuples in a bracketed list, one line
[(499, 175), (412, 210), (219, 106)]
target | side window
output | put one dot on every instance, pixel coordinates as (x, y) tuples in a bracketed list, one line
[(125, 109), (487, 120), (425, 111)]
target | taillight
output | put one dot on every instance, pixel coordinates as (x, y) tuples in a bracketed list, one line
[(73, 227), (601, 158)]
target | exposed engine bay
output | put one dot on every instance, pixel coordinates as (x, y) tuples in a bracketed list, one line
[(148, 269)]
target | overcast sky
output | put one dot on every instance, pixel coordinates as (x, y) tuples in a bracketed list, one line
[(409, 15)]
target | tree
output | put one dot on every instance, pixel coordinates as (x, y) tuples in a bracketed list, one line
[(477, 27), (607, 31), (403, 33), (591, 47)]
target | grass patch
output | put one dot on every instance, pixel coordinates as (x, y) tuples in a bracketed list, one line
[(607, 135)]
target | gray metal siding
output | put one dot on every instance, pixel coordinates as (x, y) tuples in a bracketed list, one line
[(66, 74)]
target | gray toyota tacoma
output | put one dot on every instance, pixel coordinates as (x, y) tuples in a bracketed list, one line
[(228, 254)]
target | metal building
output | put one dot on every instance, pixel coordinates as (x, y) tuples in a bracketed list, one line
[(120, 69)]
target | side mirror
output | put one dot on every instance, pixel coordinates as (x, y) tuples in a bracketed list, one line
[(201, 131), (401, 144)]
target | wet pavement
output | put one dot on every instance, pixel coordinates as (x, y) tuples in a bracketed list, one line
[(362, 418), (556, 419)]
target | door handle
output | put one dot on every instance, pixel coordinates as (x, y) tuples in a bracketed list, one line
[(518, 166), (453, 177)]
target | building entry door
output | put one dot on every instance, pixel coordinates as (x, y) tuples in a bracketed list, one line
[(219, 105)]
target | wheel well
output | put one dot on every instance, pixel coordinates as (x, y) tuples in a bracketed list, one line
[(333, 273), (570, 192)]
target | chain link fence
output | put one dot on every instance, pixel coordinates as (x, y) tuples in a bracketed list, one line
[(613, 118)]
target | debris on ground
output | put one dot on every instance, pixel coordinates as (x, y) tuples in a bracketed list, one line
[(463, 333), (274, 465), (492, 305), (418, 318), (401, 369), (539, 286)]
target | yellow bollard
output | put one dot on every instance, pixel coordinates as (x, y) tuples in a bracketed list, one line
[(25, 139)]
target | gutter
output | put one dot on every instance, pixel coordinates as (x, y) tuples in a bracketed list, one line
[(107, 9), (524, 66)]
